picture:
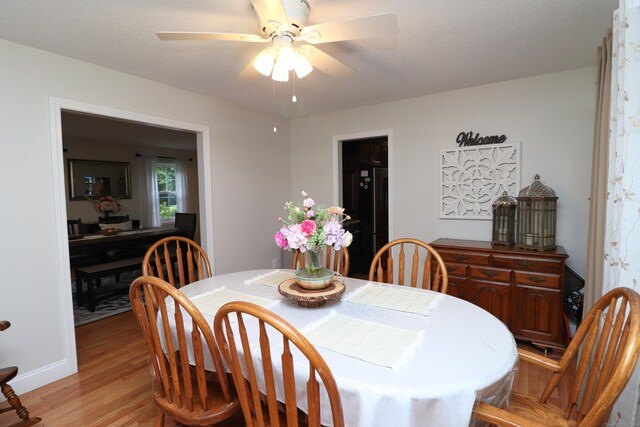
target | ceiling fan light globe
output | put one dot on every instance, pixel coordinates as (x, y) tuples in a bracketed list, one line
[(286, 57), (302, 66), (280, 73), (264, 63)]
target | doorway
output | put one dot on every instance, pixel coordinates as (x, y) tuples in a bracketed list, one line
[(204, 179), (365, 197)]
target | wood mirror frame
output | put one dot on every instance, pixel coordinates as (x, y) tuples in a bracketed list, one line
[(97, 178)]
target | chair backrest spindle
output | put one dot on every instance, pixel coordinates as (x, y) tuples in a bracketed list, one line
[(426, 270), (176, 256)]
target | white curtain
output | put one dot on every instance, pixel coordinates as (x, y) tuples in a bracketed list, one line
[(622, 235), (182, 180), (150, 202)]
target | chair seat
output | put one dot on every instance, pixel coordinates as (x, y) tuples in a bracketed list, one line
[(7, 374), (218, 410), (532, 409)]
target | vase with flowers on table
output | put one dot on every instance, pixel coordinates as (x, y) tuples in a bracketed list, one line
[(107, 205), (310, 228)]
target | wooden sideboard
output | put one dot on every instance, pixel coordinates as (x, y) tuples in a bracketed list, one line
[(523, 288)]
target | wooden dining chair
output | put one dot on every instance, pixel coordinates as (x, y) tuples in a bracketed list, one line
[(177, 260), (182, 388), (73, 226), (14, 404), (255, 382), (604, 352), (337, 261), (393, 263), (186, 222)]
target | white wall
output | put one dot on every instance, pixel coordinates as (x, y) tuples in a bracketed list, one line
[(250, 179), (551, 115)]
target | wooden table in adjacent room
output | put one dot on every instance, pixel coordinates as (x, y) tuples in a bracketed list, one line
[(98, 244), (413, 356), (132, 245)]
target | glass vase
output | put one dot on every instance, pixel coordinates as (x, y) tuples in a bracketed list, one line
[(314, 275), (314, 261)]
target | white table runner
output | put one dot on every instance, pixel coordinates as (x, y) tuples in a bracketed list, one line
[(369, 341), (211, 302), (396, 298), (272, 278)]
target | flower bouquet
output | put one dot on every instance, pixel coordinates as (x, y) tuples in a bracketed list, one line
[(106, 205), (309, 229)]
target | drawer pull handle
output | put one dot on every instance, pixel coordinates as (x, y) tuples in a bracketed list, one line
[(535, 279), (524, 263), (489, 273), (460, 257)]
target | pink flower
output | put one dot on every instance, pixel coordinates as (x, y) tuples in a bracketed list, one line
[(308, 203), (308, 227), (280, 240), (309, 213)]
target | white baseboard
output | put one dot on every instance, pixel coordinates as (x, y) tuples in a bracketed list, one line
[(37, 378)]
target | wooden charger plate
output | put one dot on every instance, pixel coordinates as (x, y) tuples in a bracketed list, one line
[(311, 298)]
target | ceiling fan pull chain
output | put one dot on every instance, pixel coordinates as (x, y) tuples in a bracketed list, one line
[(273, 85), (293, 98)]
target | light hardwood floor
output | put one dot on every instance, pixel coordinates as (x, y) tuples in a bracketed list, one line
[(113, 386)]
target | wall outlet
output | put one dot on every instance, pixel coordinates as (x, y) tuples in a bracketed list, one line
[(276, 263)]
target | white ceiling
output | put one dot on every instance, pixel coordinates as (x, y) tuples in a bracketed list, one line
[(442, 45)]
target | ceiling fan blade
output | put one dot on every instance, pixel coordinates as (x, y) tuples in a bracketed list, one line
[(248, 73), (385, 24), (234, 37), (273, 11), (326, 63)]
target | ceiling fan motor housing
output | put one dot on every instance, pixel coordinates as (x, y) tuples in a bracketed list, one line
[(297, 12)]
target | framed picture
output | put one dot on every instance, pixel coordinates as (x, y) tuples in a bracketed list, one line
[(96, 178), (471, 178)]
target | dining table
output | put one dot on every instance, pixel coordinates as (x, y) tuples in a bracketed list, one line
[(98, 244), (400, 356)]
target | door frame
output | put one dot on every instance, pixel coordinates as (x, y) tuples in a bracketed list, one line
[(337, 166), (56, 105)]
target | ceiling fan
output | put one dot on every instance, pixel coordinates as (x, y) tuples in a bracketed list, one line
[(283, 23)]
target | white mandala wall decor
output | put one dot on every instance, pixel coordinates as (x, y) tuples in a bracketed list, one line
[(471, 178)]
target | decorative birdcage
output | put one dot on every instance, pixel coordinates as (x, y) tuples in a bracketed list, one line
[(504, 220), (536, 217)]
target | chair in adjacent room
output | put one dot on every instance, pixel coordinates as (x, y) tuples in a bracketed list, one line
[(187, 223), (113, 219), (397, 259), (182, 387), (14, 404), (177, 260), (604, 352), (337, 261), (263, 406), (73, 227)]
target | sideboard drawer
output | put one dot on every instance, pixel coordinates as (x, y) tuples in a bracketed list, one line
[(456, 269), (464, 257), (536, 279), (488, 273), (528, 264)]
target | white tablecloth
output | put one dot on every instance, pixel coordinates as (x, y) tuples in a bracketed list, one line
[(463, 353)]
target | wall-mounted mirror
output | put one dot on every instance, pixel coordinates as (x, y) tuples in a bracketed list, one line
[(95, 178)]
